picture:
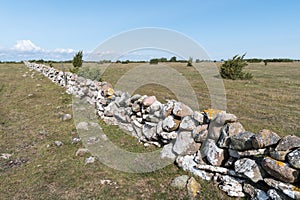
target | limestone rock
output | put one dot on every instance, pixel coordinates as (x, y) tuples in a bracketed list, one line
[(212, 153), (288, 142), (167, 152), (193, 188), (148, 101), (81, 152), (184, 141), (249, 169), (168, 108), (288, 189), (188, 164), (58, 143), (181, 110), (90, 160), (180, 182), (215, 125), (136, 107), (265, 138), (170, 124), (280, 170), (241, 141), (277, 195), (231, 186), (66, 117), (198, 116), (278, 155), (255, 194), (149, 131), (188, 123), (200, 133), (294, 158)]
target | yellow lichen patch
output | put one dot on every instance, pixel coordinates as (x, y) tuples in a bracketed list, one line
[(294, 188), (211, 113), (110, 91), (279, 163)]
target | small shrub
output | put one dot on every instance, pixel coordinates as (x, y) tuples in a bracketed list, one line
[(190, 62), (77, 62), (90, 73), (233, 69), (154, 61)]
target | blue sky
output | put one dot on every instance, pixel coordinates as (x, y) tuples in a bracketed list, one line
[(57, 29)]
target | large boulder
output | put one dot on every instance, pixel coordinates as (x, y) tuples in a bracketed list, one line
[(248, 168), (265, 138), (212, 153), (280, 170), (241, 141)]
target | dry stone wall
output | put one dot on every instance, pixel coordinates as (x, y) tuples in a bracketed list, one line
[(211, 144)]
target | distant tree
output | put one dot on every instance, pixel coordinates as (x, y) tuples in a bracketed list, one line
[(197, 60), (173, 59), (233, 68), (190, 62), (153, 61), (77, 62), (265, 62)]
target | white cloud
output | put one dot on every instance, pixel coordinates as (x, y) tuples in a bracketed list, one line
[(60, 50), (27, 50), (26, 45)]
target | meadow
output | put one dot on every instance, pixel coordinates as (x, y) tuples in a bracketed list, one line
[(30, 122)]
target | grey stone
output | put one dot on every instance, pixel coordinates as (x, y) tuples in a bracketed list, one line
[(277, 195), (170, 124), (241, 141), (58, 143), (278, 155), (212, 153), (184, 141), (136, 107), (181, 110), (66, 117), (149, 131), (187, 163), (227, 131), (255, 194), (148, 101), (248, 168), (198, 116), (167, 136), (135, 97), (265, 138), (167, 152), (167, 108), (288, 142), (215, 125), (180, 182), (193, 188), (288, 189), (188, 123), (90, 160), (120, 115), (200, 133), (280, 170), (294, 158), (110, 109), (232, 186), (81, 152)]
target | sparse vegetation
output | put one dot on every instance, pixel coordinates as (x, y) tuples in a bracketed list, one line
[(233, 69), (29, 124), (92, 73), (77, 62)]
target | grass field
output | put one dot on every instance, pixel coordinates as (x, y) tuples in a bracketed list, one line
[(28, 124)]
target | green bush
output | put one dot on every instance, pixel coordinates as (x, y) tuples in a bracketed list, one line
[(90, 73), (233, 69), (77, 62), (190, 62), (154, 61)]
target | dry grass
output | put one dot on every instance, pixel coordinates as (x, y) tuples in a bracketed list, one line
[(29, 123)]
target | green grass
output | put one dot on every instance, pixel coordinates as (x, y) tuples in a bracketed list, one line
[(28, 124)]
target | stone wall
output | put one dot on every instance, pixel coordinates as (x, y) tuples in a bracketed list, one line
[(211, 144)]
